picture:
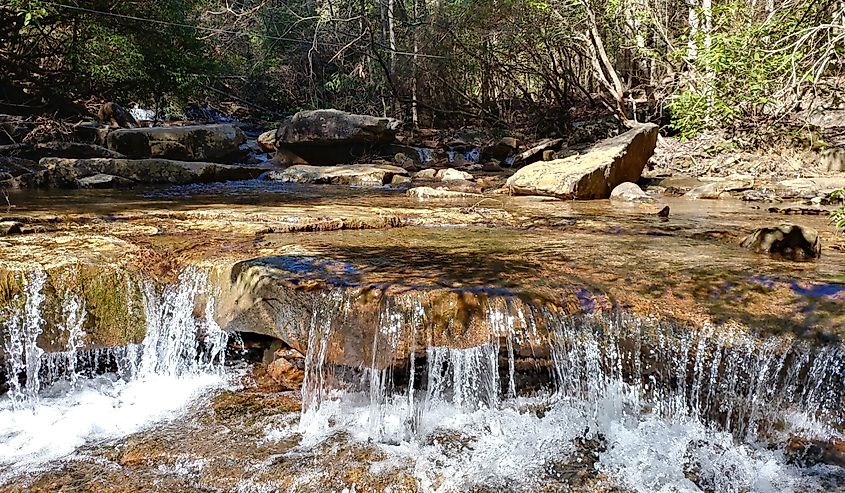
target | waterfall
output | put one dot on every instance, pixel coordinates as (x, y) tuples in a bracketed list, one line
[(662, 402), (753, 386), (22, 327), (425, 154), (81, 394)]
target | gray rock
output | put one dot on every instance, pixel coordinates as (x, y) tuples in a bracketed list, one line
[(362, 175), (630, 192), (66, 173), (787, 241), (593, 174), (201, 143), (329, 137)]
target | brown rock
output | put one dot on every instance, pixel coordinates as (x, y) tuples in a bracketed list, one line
[(286, 374)]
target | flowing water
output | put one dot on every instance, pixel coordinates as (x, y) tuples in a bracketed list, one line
[(661, 406), (59, 401)]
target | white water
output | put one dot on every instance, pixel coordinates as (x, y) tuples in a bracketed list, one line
[(155, 381), (670, 410)]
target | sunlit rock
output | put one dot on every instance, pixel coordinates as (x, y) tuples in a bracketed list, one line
[(593, 174)]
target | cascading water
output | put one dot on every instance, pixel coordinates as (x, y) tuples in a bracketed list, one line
[(671, 408), (59, 401)]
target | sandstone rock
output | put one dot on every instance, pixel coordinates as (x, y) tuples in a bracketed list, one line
[(721, 188), (591, 175), (364, 175), (630, 192), (267, 141), (400, 180), (426, 174), (65, 173), (438, 193), (216, 143), (787, 241), (449, 174), (286, 374), (328, 137)]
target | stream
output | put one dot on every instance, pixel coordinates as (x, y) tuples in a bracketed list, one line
[(432, 359)]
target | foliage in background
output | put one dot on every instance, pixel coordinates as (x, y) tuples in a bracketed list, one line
[(532, 64)]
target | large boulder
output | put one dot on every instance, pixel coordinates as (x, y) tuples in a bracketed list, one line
[(214, 143), (787, 241), (71, 173), (362, 175), (593, 174), (326, 137)]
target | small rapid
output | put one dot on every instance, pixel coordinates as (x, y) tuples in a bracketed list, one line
[(642, 404), (57, 402)]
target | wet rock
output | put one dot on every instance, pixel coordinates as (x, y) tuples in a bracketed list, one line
[(363, 175), (591, 175), (102, 180), (117, 115), (267, 141), (438, 193), (787, 241), (216, 143), (535, 151), (65, 173), (630, 192), (288, 375), (450, 174), (8, 228), (327, 137)]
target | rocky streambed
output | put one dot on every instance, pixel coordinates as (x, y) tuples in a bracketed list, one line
[(304, 324), (381, 343)]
